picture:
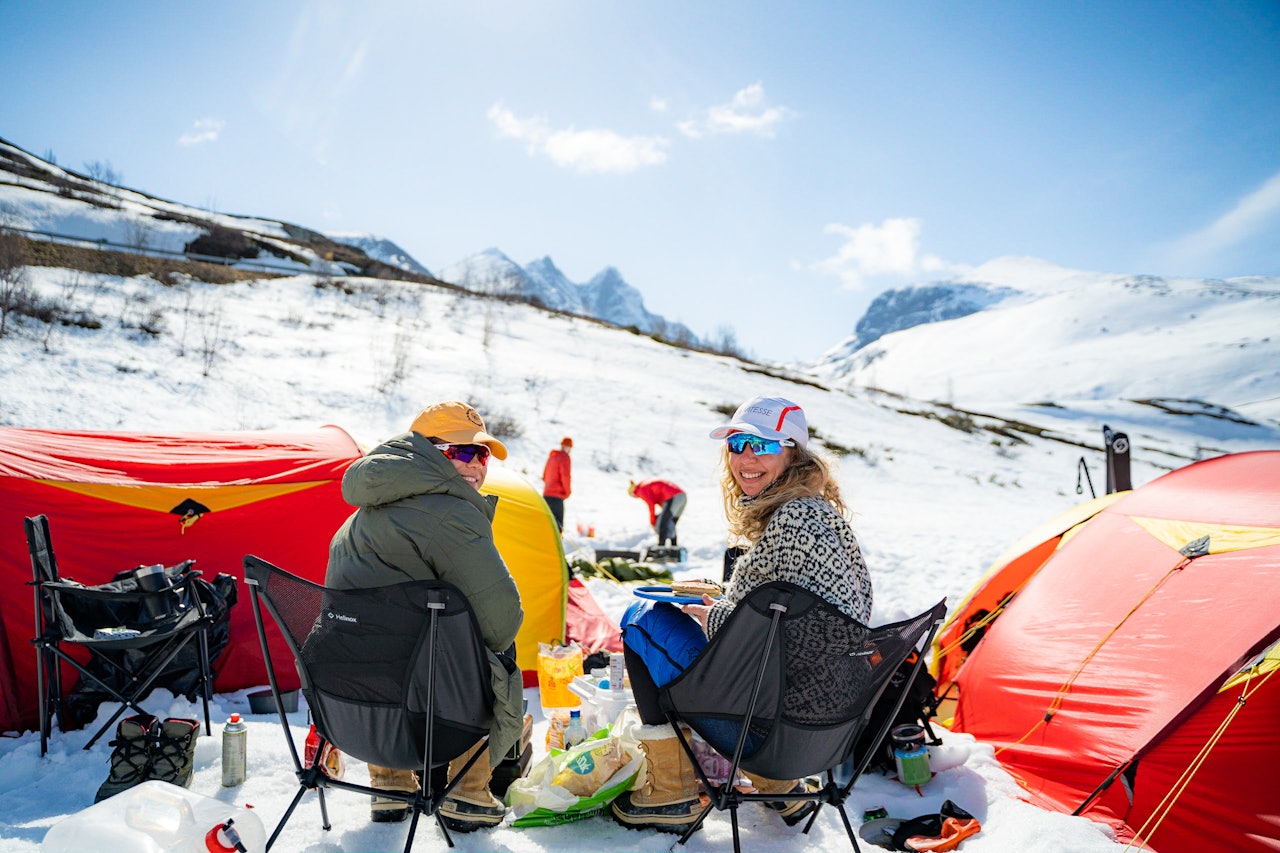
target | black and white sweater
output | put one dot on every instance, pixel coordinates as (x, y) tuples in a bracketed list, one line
[(809, 544)]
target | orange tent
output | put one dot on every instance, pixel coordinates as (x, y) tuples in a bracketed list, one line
[(1130, 675)]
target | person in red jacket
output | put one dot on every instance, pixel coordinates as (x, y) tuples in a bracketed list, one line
[(556, 477), (666, 503)]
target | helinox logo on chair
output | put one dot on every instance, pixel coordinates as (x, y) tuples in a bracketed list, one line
[(342, 617)]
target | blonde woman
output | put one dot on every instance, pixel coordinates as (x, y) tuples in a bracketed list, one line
[(784, 506)]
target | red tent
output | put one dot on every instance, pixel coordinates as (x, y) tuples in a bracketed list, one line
[(118, 500), (1132, 677)]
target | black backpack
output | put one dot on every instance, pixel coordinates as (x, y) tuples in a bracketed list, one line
[(919, 707)]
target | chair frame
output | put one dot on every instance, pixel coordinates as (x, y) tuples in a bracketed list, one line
[(426, 800), (161, 648), (726, 796)]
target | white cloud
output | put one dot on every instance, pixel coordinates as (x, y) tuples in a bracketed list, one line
[(594, 150), (872, 253), (658, 105), (202, 131), (1247, 219), (747, 112)]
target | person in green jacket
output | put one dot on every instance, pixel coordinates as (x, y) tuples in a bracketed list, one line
[(421, 515)]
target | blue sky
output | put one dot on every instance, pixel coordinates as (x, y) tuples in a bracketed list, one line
[(764, 167)]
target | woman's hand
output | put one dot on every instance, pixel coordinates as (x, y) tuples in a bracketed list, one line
[(700, 611)]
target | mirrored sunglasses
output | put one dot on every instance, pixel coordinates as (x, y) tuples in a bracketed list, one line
[(465, 452), (740, 441)]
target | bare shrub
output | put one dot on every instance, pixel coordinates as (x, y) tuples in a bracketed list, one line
[(498, 423), (393, 370), (16, 295), (213, 335), (102, 170)]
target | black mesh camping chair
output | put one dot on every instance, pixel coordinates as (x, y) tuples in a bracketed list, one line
[(785, 689), (132, 635), (395, 676)]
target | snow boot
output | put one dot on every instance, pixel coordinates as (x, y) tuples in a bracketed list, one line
[(791, 811), (174, 750), (386, 809), (471, 805), (131, 756), (665, 794)]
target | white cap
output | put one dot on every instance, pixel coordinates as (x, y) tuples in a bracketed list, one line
[(768, 417)]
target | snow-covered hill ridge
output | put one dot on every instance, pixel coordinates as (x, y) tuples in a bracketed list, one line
[(36, 195), (1021, 331)]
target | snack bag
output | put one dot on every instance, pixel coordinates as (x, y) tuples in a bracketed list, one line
[(602, 767), (332, 765), (585, 771)]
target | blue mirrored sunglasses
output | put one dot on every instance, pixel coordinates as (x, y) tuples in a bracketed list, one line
[(740, 441), (465, 452)]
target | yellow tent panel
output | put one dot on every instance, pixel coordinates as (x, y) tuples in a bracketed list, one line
[(529, 542)]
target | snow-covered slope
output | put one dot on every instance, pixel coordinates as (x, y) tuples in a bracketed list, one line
[(1020, 331)]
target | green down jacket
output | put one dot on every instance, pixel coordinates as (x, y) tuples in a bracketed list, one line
[(418, 519)]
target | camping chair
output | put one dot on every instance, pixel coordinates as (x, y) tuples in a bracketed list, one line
[(131, 634), (396, 676), (785, 689)]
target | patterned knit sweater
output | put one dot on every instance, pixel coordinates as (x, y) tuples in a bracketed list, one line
[(809, 544)]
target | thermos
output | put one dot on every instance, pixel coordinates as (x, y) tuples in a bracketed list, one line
[(910, 754), (152, 579), (235, 736)]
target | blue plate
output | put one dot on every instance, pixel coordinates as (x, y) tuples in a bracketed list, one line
[(664, 593)]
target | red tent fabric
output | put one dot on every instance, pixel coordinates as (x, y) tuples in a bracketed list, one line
[(588, 624), (1106, 676), (119, 500)]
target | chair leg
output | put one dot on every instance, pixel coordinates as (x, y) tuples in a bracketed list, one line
[(206, 678), (285, 819), (848, 828)]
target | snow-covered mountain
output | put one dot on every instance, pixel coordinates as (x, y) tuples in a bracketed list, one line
[(379, 248), (1023, 331), (607, 296)]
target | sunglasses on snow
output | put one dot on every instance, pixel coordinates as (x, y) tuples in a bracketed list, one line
[(740, 441), (465, 452)]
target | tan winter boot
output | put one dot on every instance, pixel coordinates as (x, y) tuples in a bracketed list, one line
[(471, 805), (792, 811), (131, 756), (174, 751), (385, 809), (665, 794)]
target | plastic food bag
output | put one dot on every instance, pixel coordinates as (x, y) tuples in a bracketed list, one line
[(602, 767), (557, 667)]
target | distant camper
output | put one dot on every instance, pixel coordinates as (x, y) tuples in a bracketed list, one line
[(556, 477), (666, 503)]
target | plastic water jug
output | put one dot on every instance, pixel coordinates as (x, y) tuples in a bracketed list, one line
[(157, 817)]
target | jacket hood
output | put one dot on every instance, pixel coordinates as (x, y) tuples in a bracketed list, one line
[(403, 467)]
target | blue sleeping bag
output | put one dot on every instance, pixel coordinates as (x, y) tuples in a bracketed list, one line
[(666, 638)]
